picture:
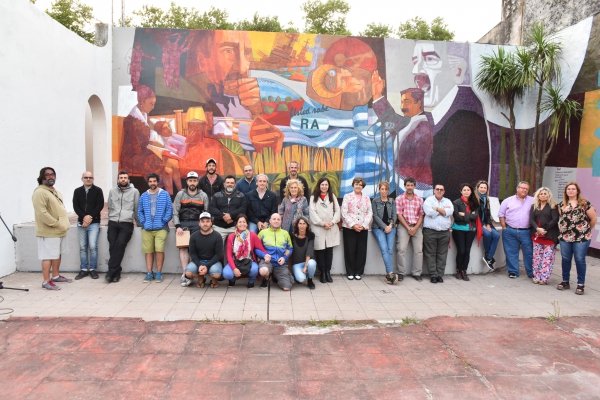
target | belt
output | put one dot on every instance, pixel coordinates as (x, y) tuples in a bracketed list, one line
[(517, 229)]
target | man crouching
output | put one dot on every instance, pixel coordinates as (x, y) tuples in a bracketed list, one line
[(206, 247)]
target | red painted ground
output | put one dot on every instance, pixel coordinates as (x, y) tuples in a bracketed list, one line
[(444, 358)]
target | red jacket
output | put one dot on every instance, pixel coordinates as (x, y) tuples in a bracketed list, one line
[(256, 249)]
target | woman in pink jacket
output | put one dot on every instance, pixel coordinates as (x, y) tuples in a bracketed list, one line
[(356, 220)]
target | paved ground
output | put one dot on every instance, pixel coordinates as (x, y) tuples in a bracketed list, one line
[(484, 295), (442, 358)]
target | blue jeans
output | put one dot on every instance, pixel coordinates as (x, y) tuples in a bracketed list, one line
[(579, 250), (490, 242), (252, 227), (88, 239), (228, 273), (310, 271), (216, 268), (513, 239), (386, 245)]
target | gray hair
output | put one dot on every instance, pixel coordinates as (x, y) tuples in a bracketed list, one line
[(263, 175)]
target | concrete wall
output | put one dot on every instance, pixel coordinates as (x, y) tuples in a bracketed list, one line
[(47, 76), (134, 259)]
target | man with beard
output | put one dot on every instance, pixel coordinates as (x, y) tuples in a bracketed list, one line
[(154, 212), (409, 207), (188, 205), (206, 248), (122, 213), (225, 207), (211, 183), (51, 226), (293, 168)]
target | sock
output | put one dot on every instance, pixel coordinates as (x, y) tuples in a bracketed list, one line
[(54, 277)]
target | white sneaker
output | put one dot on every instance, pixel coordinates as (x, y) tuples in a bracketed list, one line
[(357, 277), (185, 281), (350, 277)]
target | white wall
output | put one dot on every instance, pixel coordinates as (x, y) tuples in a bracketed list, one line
[(47, 76)]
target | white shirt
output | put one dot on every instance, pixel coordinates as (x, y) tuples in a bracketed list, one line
[(433, 219)]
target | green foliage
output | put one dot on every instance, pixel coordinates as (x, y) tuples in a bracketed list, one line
[(263, 24), (183, 18), (418, 29), (271, 99), (324, 323), (288, 98), (232, 145), (327, 17), (282, 107), (378, 30), (268, 109), (73, 15), (561, 109), (32, 1)]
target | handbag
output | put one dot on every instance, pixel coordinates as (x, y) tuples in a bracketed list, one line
[(244, 265), (183, 240)]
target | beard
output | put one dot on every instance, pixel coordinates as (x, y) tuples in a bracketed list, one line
[(229, 189), (192, 188), (123, 185), (153, 187), (49, 182), (211, 170)]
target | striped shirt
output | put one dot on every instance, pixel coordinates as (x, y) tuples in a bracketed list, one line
[(411, 210)]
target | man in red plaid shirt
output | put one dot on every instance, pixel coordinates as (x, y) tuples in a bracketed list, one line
[(410, 229)]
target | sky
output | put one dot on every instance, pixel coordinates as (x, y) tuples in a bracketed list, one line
[(469, 19)]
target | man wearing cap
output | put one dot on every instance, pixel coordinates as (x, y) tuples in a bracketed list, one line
[(293, 168), (225, 207), (248, 183), (189, 203), (206, 247), (211, 183)]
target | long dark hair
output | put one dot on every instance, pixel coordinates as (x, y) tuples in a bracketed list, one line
[(297, 231), (473, 202), (41, 177), (317, 190)]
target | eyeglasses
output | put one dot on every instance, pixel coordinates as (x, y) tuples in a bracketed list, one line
[(87, 177), (439, 190), (49, 175)]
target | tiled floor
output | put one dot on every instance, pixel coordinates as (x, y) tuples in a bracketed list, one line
[(484, 295)]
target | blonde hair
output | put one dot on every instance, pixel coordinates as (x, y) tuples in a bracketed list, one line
[(289, 183), (385, 184), (536, 198), (580, 199)]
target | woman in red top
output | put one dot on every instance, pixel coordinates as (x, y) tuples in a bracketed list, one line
[(241, 250), (544, 234)]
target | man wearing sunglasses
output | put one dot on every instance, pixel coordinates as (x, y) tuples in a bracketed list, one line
[(88, 202), (436, 232)]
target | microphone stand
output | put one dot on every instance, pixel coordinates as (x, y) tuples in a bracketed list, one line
[(14, 240)]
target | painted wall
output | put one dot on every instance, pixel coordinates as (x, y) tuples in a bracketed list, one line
[(47, 76)]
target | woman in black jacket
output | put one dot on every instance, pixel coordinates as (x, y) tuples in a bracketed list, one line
[(544, 234), (466, 225), (491, 237)]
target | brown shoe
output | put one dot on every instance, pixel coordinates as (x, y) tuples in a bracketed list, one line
[(464, 276), (458, 274)]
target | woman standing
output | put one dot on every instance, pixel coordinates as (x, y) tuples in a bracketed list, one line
[(241, 251), (576, 222), (324, 216), (356, 218), (544, 234), (384, 228), (293, 206), (303, 262), (491, 237), (466, 225)]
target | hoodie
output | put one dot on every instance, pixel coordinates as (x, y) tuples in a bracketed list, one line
[(123, 204)]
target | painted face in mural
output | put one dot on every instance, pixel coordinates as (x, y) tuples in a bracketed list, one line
[(433, 72), (410, 106), (229, 57), (147, 105)]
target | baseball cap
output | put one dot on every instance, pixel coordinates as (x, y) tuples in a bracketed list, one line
[(192, 174), (205, 215), (211, 160)]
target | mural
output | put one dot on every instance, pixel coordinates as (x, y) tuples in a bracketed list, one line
[(345, 107)]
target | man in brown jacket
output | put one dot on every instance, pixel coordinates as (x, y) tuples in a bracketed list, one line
[(51, 226)]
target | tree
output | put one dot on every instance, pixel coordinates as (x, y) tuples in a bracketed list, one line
[(378, 30), (263, 24), (327, 18), (183, 18), (418, 29), (74, 16)]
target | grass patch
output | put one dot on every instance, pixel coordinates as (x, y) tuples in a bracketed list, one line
[(553, 316), (323, 324), (410, 321)]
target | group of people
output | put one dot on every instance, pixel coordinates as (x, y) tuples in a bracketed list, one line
[(239, 228)]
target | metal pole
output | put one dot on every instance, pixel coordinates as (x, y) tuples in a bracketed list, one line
[(122, 12)]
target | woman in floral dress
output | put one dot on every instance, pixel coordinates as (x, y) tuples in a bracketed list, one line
[(543, 219)]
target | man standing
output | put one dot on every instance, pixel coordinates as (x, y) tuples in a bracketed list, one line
[(88, 202), (188, 205), (514, 218), (247, 184), (262, 203), (279, 248), (436, 235), (122, 214), (225, 207), (51, 226), (211, 183), (410, 219), (293, 168), (206, 247), (154, 212)]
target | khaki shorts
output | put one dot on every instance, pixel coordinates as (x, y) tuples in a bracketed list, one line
[(52, 248), (154, 241)]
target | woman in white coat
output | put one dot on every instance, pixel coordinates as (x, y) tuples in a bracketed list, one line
[(324, 217)]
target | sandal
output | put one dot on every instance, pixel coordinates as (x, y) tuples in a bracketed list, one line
[(563, 286), (579, 289), (201, 284), (214, 285)]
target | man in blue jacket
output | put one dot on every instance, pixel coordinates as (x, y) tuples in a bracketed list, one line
[(279, 248), (154, 212)]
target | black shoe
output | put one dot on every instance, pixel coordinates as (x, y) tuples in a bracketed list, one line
[(264, 284), (232, 282), (221, 278), (418, 278), (511, 276), (108, 278), (400, 277), (82, 274), (311, 285), (250, 285), (323, 277), (328, 277), (94, 274), (440, 279), (433, 279), (116, 279)]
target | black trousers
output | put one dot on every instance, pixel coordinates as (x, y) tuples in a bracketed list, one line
[(324, 259), (119, 234), (463, 241), (355, 251)]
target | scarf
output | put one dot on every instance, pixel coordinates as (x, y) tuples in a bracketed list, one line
[(478, 226), (241, 245)]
